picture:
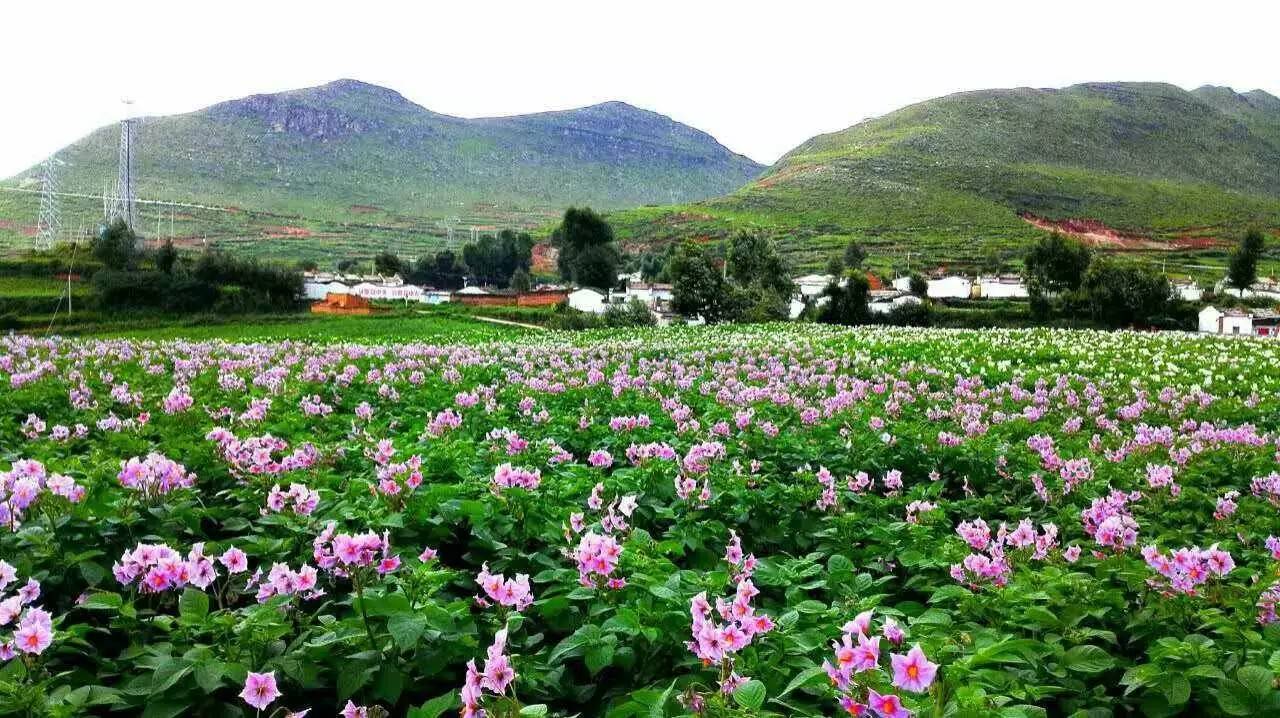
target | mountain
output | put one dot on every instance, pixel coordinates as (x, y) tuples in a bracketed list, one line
[(1138, 166), (351, 148)]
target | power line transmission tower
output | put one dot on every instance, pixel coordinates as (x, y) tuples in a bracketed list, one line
[(126, 206), (49, 225)]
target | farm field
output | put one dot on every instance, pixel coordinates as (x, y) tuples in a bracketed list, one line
[(730, 521)]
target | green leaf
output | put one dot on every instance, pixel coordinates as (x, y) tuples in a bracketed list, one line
[(750, 695), (599, 657), (406, 629), (1087, 659), (435, 707), (1175, 688), (1257, 679), (209, 674), (538, 710), (103, 602), (804, 678), (1234, 699), (658, 709), (193, 606)]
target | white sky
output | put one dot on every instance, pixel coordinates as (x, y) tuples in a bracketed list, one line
[(759, 76)]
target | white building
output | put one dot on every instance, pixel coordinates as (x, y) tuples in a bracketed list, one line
[(1008, 286), (1266, 288), (887, 300), (811, 285), (319, 289), (1230, 321), (471, 290), (949, 287), (654, 296), (435, 296), (587, 300), (1186, 290), (371, 291)]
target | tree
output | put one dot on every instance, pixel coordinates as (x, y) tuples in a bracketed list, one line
[(520, 280), (697, 287), (166, 257), (387, 264), (651, 266), (835, 266), (1056, 264), (753, 261), (114, 245), (346, 264), (1125, 294), (587, 255), (1242, 268), (854, 255), (846, 304), (918, 285)]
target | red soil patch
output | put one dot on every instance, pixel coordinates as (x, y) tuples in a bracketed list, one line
[(782, 175), (544, 258), (1096, 234), (286, 232), (26, 230), (365, 208)]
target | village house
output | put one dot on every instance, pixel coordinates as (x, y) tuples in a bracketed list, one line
[(1186, 290), (951, 286), (883, 301), (587, 300), (1004, 286), (1239, 322), (654, 296), (1264, 288)]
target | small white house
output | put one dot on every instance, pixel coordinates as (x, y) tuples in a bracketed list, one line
[(317, 290), (1186, 290), (949, 287), (472, 290), (1233, 322), (811, 285), (587, 300), (435, 296), (654, 296), (1007, 286), (885, 301), (1264, 288)]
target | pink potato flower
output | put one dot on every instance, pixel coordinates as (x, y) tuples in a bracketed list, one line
[(913, 672), (260, 689)]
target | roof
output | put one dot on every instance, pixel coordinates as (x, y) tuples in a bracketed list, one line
[(581, 290), (471, 290)]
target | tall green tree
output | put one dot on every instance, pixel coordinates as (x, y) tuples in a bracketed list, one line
[(166, 257), (387, 264), (846, 304), (588, 255), (753, 262), (1242, 268), (854, 255), (697, 287), (1056, 263), (114, 245), (1125, 294)]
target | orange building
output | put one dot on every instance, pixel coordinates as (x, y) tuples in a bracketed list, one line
[(343, 304)]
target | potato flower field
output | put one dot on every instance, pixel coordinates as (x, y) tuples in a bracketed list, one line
[(748, 521)]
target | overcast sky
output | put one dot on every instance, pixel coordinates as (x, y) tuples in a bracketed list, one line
[(759, 76)]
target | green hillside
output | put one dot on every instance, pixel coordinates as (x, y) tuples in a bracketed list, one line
[(348, 159), (952, 178)]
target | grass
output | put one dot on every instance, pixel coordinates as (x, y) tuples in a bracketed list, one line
[(947, 179), (412, 324)]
